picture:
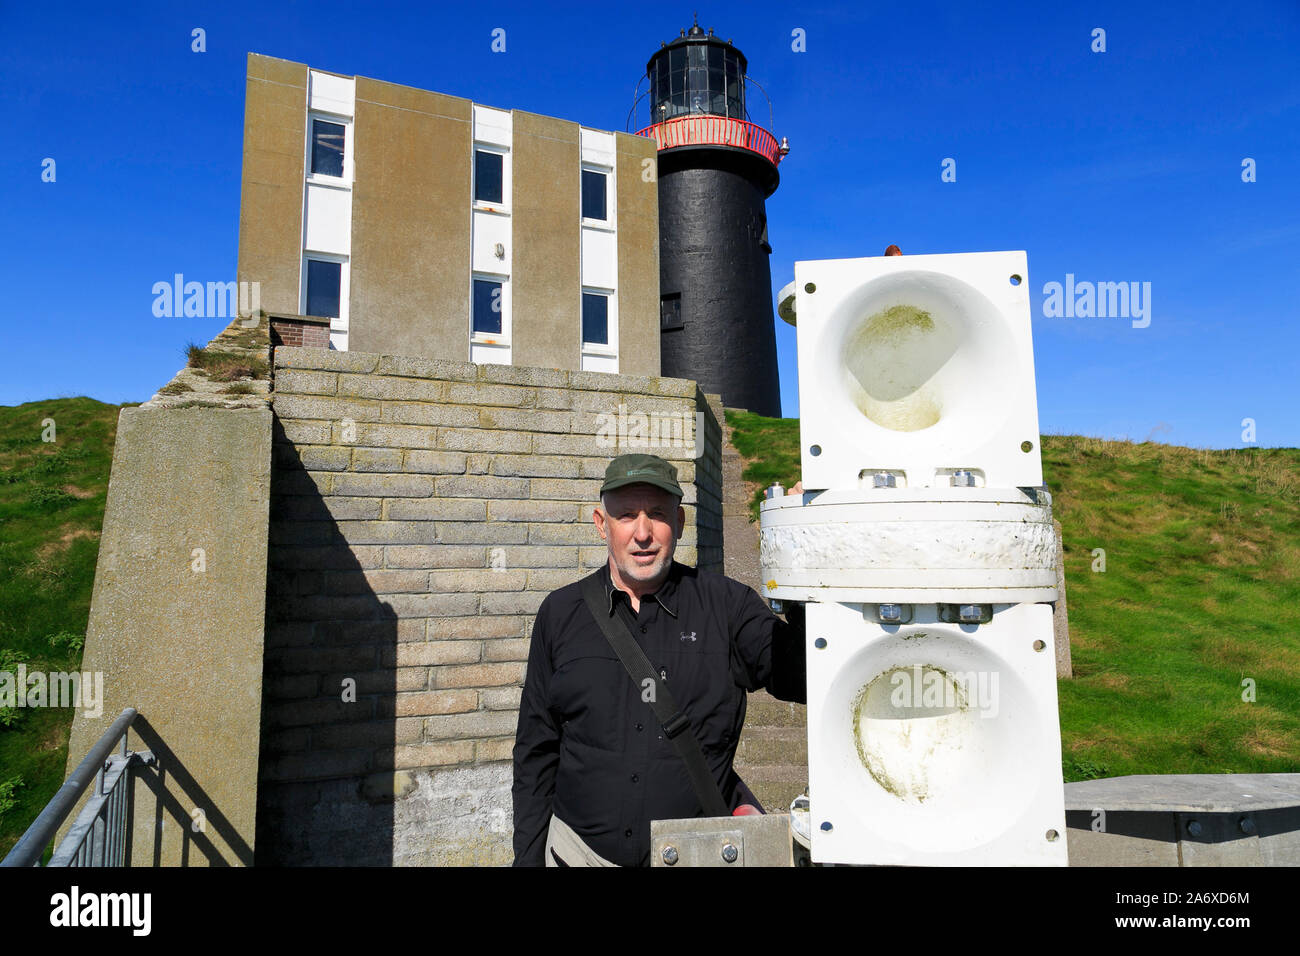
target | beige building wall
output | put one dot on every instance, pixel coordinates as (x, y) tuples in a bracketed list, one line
[(638, 254), (409, 267), (271, 189), (546, 211), (410, 222)]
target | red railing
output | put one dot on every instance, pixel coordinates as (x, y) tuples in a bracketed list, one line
[(709, 130)]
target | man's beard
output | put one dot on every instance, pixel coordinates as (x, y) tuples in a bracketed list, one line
[(629, 570)]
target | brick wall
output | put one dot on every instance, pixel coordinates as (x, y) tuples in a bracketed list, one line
[(420, 512), (299, 330)]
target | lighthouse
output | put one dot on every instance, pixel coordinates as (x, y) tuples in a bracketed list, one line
[(717, 166)]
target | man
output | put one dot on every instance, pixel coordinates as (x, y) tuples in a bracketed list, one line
[(592, 764)]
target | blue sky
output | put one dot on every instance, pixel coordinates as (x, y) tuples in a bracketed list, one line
[(1117, 166)]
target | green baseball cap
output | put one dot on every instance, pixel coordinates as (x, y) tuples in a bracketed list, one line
[(641, 470)]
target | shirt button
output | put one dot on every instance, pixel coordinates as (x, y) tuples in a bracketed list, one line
[(635, 778), (628, 834), (642, 628), (638, 726)]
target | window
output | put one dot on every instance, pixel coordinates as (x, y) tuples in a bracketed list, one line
[(595, 318), (670, 312), (324, 287), (489, 176), (328, 141), (594, 188), (488, 306)]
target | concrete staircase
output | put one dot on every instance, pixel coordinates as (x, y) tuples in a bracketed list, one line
[(772, 757)]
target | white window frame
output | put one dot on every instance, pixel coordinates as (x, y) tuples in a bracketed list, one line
[(607, 224), (504, 153), (339, 323), (608, 349), (491, 338), (319, 179)]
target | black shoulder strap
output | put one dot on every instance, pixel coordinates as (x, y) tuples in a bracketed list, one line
[(676, 725)]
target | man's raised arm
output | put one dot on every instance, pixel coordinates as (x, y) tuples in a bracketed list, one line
[(770, 652)]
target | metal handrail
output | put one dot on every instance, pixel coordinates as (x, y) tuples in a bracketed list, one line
[(710, 129), (97, 767)]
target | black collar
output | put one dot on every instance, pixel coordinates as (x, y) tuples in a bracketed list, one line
[(666, 595)]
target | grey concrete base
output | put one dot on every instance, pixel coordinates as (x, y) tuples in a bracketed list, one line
[(177, 626), (1185, 820)]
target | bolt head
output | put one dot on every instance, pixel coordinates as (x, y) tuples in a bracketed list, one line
[(890, 613), (670, 855), (730, 854), (1247, 825), (1194, 828), (970, 613), (883, 479)]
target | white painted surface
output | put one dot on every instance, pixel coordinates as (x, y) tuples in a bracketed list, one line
[(492, 126), (906, 778), (599, 362), (906, 545), (599, 258), (487, 354), (329, 220), (597, 147), (945, 380), (332, 94), (488, 229)]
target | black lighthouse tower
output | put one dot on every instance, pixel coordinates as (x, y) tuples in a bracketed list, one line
[(716, 169)]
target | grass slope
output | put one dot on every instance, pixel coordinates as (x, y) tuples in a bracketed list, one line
[(1200, 592), (51, 509)]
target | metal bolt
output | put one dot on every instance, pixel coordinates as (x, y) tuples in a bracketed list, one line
[(1194, 828), (1247, 825), (730, 854), (883, 479), (970, 614), (963, 479), (890, 614), (826, 826), (820, 643), (776, 491), (670, 855), (778, 607)]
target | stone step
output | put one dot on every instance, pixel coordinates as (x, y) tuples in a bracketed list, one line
[(775, 787), (771, 746), (764, 710)]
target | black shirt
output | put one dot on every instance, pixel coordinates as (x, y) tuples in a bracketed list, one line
[(589, 749)]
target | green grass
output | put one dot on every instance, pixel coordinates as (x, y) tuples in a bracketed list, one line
[(225, 366), (1201, 590), (51, 509), (770, 447)]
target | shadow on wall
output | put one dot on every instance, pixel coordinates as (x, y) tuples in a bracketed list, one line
[(166, 805), (329, 685)]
